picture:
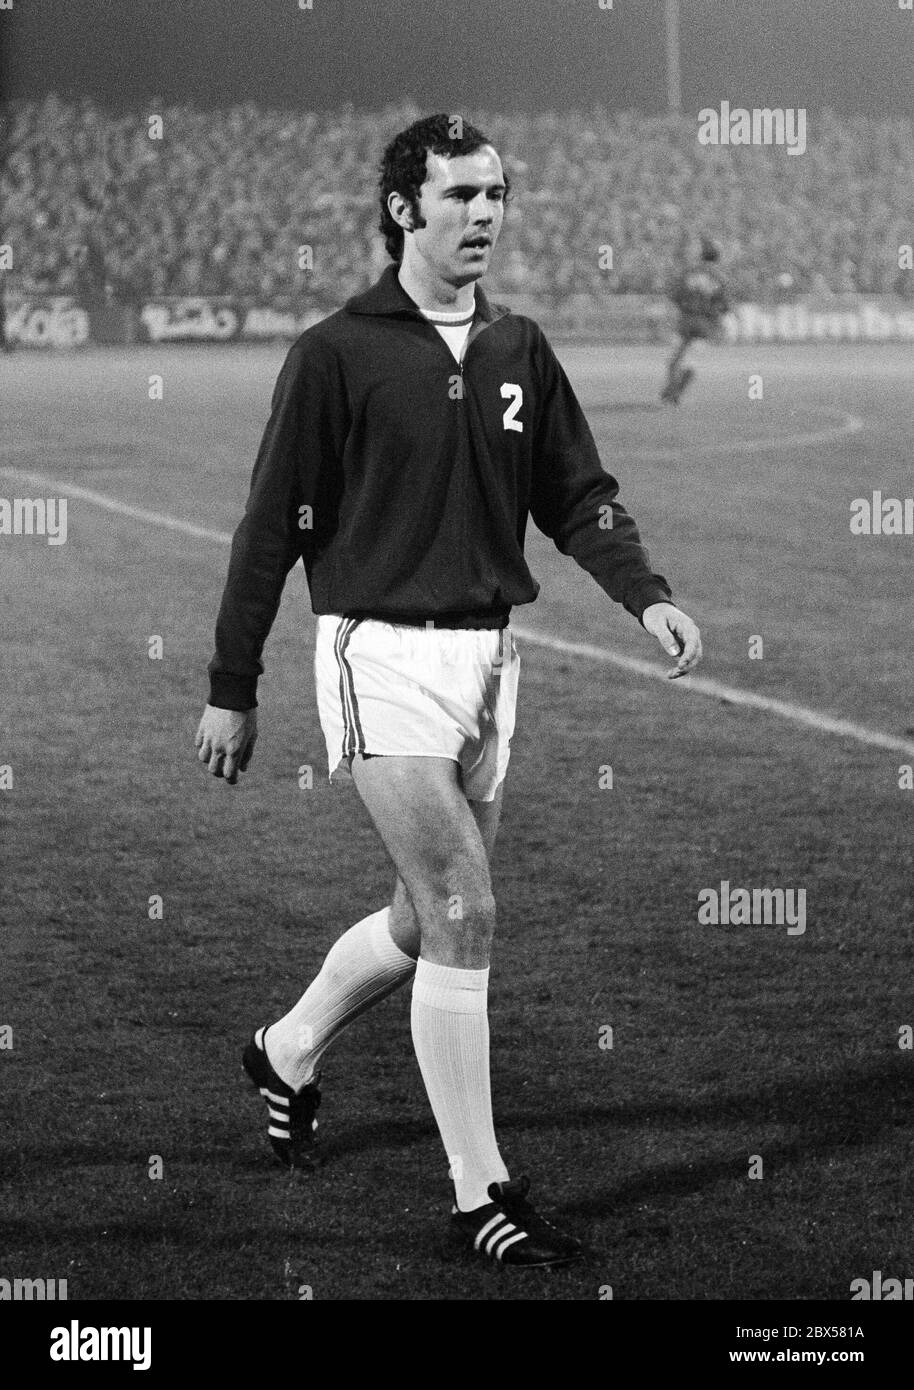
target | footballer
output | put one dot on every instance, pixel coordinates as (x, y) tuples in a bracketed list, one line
[(413, 434), (700, 296)]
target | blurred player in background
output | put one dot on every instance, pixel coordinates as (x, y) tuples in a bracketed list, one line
[(700, 295)]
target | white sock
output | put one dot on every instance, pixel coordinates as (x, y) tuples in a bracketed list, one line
[(364, 966), (451, 1037)]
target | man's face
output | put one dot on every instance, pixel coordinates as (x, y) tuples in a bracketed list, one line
[(462, 204)]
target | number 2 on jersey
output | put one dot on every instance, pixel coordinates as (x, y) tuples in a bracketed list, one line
[(513, 393)]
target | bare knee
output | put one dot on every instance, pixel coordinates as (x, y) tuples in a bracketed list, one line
[(456, 912)]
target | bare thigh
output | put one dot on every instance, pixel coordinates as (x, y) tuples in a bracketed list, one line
[(440, 844)]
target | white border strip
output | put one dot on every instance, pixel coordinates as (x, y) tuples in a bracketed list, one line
[(699, 685)]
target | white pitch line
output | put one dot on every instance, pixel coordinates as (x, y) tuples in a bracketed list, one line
[(699, 685), (111, 504), (702, 685), (848, 424)]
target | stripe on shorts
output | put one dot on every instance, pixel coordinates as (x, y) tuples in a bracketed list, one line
[(353, 738)]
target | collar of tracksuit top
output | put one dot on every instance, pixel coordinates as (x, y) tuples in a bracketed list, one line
[(422, 513), (387, 296)]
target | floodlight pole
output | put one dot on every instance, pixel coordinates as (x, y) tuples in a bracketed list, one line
[(673, 78)]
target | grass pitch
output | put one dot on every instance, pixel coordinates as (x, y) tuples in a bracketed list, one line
[(729, 1043)]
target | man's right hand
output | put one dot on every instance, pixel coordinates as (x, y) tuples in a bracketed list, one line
[(225, 740)]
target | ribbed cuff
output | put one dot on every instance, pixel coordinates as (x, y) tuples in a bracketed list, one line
[(232, 692), (449, 988), (643, 596)]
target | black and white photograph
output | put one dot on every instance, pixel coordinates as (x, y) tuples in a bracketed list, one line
[(456, 735)]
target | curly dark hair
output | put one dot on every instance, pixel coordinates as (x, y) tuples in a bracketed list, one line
[(403, 167)]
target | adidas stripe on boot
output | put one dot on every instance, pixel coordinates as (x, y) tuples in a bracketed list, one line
[(291, 1126), (509, 1231)]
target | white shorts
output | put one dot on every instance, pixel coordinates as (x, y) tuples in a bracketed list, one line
[(400, 691)]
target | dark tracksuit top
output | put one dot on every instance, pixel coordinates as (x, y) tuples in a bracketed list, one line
[(420, 476)]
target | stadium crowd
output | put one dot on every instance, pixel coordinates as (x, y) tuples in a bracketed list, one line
[(221, 203)]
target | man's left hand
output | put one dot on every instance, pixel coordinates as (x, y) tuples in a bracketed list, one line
[(676, 633)]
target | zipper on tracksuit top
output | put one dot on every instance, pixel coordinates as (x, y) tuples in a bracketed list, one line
[(477, 328)]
